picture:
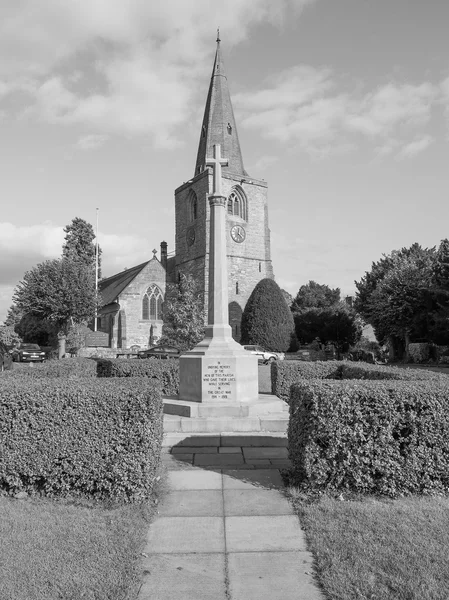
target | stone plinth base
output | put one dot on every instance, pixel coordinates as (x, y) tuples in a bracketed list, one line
[(222, 372)]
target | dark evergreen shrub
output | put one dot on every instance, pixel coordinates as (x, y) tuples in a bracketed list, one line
[(267, 320), (95, 438)]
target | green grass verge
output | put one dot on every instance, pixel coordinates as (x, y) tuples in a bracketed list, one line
[(57, 549), (378, 549)]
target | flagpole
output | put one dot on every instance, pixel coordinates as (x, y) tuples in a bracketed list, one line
[(96, 270)]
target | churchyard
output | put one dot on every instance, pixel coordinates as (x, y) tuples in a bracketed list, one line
[(82, 478)]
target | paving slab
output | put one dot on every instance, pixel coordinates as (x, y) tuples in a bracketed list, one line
[(183, 577), (255, 502), (229, 450), (249, 479), (186, 535), (264, 452), (192, 503), (257, 438), (264, 533), (194, 480), (272, 576), (177, 461), (184, 439), (264, 463), (218, 459), (195, 449)]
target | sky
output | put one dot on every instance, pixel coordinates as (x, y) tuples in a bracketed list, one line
[(342, 106)]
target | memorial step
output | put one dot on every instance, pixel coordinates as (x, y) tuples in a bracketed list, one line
[(275, 422), (225, 440), (264, 404)]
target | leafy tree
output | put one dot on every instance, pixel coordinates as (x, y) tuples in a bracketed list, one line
[(60, 293), (9, 336), (14, 315), (315, 295), (267, 319), (395, 296), (184, 315), (337, 324), (79, 243)]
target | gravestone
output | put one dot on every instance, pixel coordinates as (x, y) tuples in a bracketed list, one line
[(218, 368)]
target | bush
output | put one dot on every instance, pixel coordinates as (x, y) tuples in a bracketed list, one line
[(267, 320), (165, 371), (95, 438), (284, 374), (370, 436), (67, 368), (376, 372)]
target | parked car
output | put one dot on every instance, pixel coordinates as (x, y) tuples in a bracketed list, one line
[(28, 353), (264, 356), (160, 352), (5, 358)]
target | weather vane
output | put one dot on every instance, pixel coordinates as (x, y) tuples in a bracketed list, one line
[(218, 35)]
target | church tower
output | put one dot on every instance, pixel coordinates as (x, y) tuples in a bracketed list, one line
[(248, 235)]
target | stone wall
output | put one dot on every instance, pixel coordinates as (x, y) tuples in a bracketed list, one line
[(136, 331)]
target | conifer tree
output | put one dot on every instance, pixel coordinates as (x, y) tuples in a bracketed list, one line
[(267, 319)]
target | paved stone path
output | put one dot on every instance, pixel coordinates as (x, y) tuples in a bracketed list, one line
[(226, 533)]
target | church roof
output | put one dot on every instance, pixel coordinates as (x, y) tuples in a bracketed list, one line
[(111, 287), (219, 124)]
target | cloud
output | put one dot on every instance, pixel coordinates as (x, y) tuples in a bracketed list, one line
[(120, 67), (91, 141), (415, 147), (303, 106)]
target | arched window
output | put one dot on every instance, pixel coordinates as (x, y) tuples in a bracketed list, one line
[(152, 304), (237, 203), (193, 205), (145, 308)]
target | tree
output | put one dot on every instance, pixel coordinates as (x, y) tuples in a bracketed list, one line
[(9, 336), (183, 314), (315, 295), (337, 324), (79, 243), (60, 293), (267, 319), (395, 296)]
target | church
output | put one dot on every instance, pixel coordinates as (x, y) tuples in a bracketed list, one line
[(133, 300)]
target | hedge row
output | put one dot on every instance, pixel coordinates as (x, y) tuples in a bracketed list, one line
[(370, 436), (284, 374), (95, 438), (165, 371), (66, 368)]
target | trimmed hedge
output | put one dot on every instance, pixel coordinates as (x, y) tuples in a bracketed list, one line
[(165, 371), (284, 374), (94, 438), (66, 368), (370, 436), (375, 372)]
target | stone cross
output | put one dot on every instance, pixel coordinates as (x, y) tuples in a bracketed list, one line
[(216, 163)]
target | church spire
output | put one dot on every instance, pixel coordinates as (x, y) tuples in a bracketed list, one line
[(218, 122)]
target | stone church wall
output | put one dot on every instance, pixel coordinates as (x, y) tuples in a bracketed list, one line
[(137, 331)]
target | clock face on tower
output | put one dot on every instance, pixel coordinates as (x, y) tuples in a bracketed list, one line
[(238, 234), (190, 236)]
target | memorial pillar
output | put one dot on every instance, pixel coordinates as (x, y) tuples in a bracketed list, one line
[(218, 368)]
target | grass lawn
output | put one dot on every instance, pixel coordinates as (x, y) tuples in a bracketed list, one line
[(379, 549), (60, 550)]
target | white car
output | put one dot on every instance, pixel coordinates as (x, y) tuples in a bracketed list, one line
[(264, 356)]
